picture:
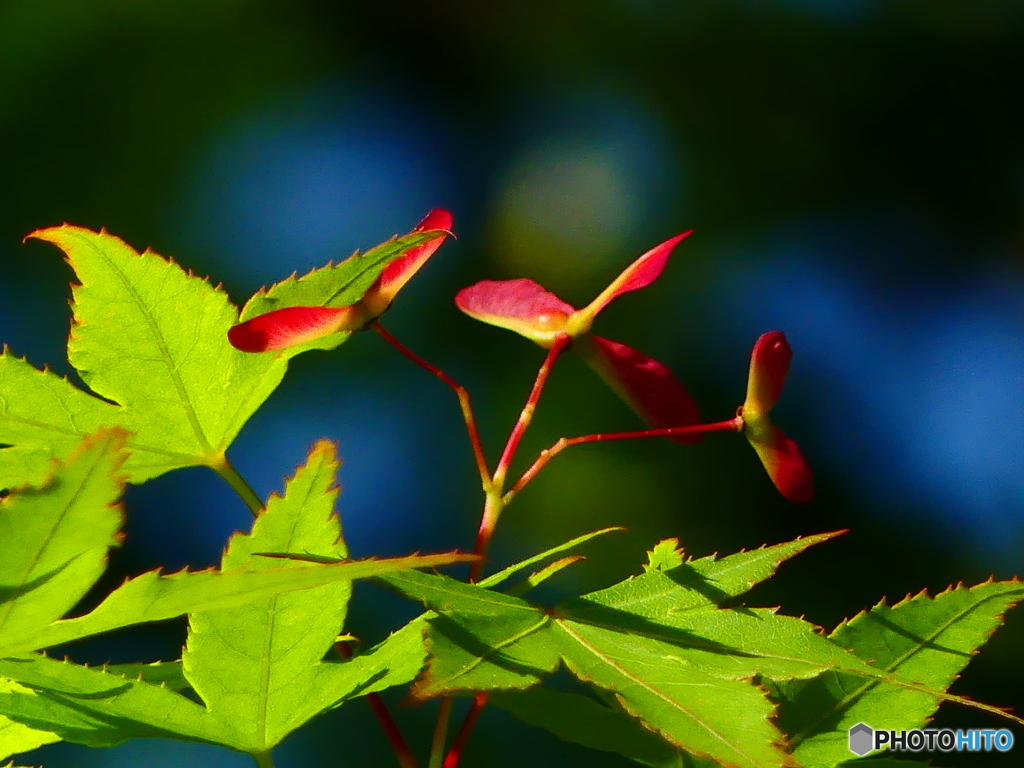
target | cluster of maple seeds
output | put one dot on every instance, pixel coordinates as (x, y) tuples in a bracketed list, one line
[(527, 308), (523, 306)]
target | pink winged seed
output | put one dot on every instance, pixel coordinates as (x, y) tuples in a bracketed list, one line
[(519, 305), (769, 366), (291, 326), (780, 455), (398, 272), (647, 386), (639, 274), (785, 465)]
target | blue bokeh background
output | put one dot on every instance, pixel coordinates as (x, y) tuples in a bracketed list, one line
[(855, 174)]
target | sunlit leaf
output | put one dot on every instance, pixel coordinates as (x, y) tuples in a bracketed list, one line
[(320, 309), (152, 339), (16, 738), (507, 573), (254, 665), (54, 538), (582, 720), (708, 581), (925, 639), (671, 645), (664, 556), (155, 597), (98, 708)]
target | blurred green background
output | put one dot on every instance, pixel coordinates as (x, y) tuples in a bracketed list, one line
[(855, 173)]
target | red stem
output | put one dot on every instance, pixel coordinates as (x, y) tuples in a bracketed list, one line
[(406, 759), (451, 760), (493, 507), (460, 392), (560, 344), (732, 425), (495, 503)]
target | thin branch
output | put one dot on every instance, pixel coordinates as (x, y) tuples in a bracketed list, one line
[(459, 744), (224, 468), (493, 507), (440, 733), (399, 745), (732, 425), (526, 416), (460, 392)]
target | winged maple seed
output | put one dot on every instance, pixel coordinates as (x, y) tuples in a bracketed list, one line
[(769, 366), (527, 308), (648, 386), (291, 326)]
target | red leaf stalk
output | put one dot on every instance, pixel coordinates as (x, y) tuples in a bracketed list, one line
[(560, 344), (459, 744), (732, 425), (495, 503), (406, 759), (460, 392)]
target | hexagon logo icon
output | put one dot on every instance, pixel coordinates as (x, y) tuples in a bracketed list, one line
[(862, 739)]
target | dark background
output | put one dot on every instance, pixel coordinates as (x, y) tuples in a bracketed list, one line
[(855, 173)]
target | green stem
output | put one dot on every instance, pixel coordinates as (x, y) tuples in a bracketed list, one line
[(224, 468), (263, 759), (440, 733)]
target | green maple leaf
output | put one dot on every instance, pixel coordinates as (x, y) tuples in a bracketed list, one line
[(705, 582), (582, 720), (407, 644), (260, 666), (507, 573), (660, 642), (166, 673), (102, 707), (156, 597), (334, 285), (664, 556), (151, 341), (923, 638), (55, 540), (15, 737), (254, 664), (252, 649), (98, 708), (886, 762), (670, 645), (726, 720), (56, 536)]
